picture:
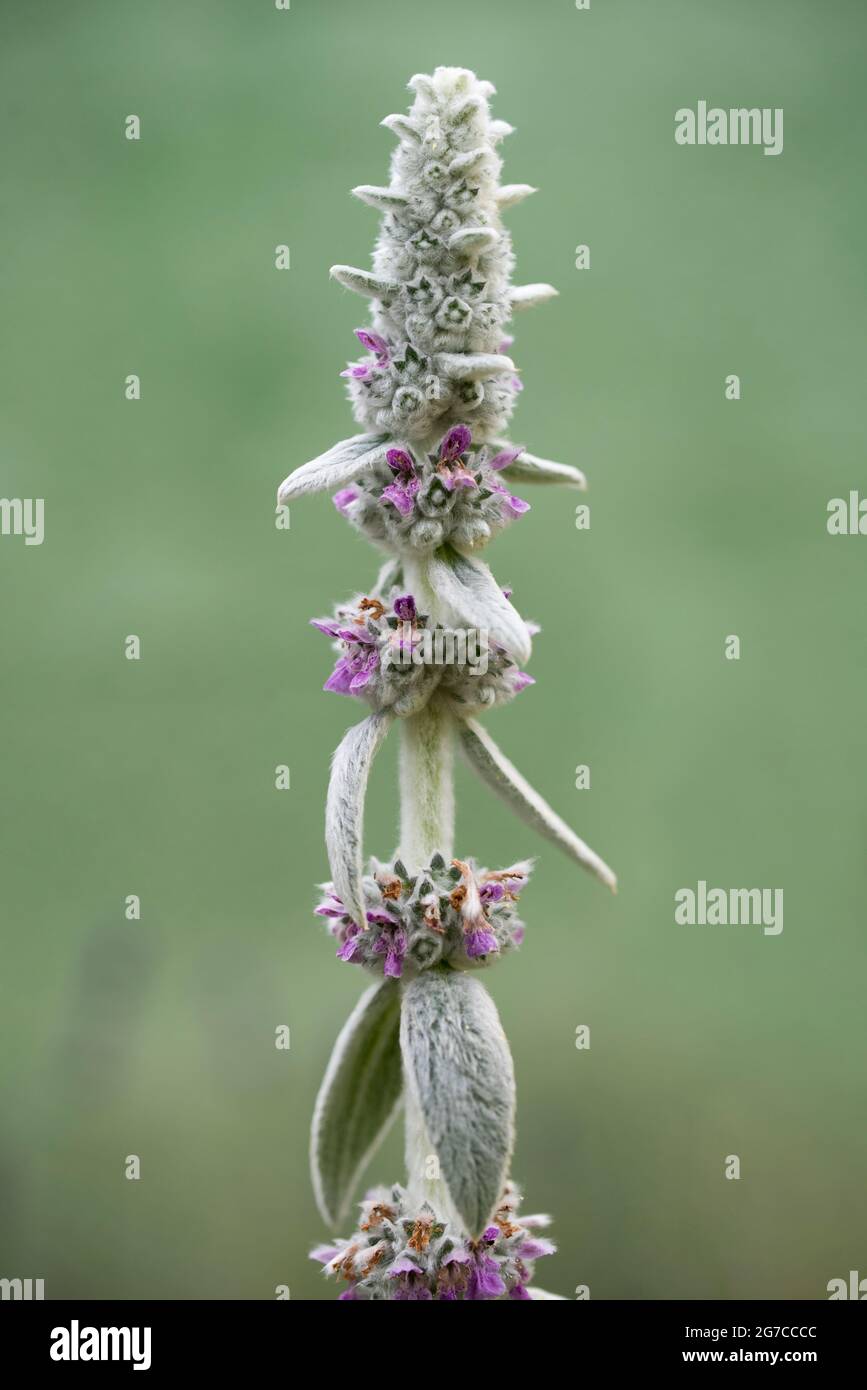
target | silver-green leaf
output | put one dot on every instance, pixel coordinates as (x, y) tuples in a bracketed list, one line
[(527, 468), (337, 466), (470, 597), (458, 1068), (504, 778), (344, 809), (358, 1099)]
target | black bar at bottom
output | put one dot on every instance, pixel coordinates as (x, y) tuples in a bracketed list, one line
[(159, 1338)]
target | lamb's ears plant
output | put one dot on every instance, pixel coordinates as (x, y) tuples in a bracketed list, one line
[(428, 481)]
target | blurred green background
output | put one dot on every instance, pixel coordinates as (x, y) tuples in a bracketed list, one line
[(708, 518)]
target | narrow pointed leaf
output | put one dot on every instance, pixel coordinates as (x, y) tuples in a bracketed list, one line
[(502, 777), (528, 296), (470, 597), (500, 129), (459, 1070), (472, 241), (402, 127), (527, 468), (510, 194), (388, 576), (363, 282), (464, 163), (473, 366), (358, 1099), (384, 199), (344, 809), (339, 465), (420, 82)]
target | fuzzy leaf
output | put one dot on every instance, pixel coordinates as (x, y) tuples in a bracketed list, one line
[(339, 465), (363, 282), (344, 809), (510, 194), (473, 366), (471, 159), (358, 1099), (402, 127), (384, 199), (459, 1071), (471, 598), (472, 241), (502, 777), (529, 469), (528, 296)]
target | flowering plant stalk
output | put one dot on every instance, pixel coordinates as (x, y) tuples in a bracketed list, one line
[(435, 642)]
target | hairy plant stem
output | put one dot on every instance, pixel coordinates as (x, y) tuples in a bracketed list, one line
[(426, 826), (427, 800)]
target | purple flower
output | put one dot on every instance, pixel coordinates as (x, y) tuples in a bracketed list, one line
[(458, 477), (484, 1280), (402, 495), (324, 625), (399, 461), (412, 1289), (374, 344), (534, 1249), (521, 680), (504, 458), (455, 443), (406, 483), (365, 669), (519, 1291), (492, 892), (331, 907), (515, 506), (392, 944), (325, 1253), (340, 680), (380, 919), (479, 941), (410, 1283), (350, 949), (378, 346), (344, 498), (405, 608)]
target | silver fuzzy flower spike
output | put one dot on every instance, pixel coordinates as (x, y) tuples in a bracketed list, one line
[(435, 643)]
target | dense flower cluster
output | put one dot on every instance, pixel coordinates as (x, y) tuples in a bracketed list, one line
[(411, 500), (401, 1254), (394, 657), (458, 913), (441, 270)]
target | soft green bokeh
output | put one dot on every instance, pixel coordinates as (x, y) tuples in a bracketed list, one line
[(708, 518)]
